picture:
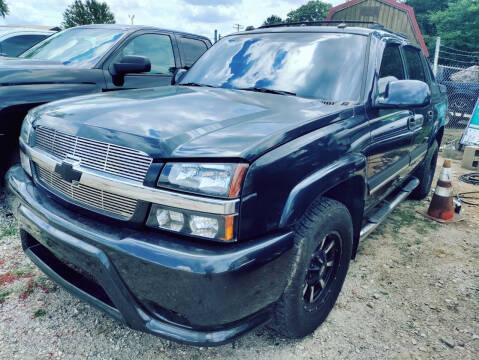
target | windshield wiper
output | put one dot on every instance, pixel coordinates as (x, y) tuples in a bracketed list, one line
[(196, 84), (269, 91)]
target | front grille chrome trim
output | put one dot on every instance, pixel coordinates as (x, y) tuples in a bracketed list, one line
[(96, 155), (87, 196), (132, 189)]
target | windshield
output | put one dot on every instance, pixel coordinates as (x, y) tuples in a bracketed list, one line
[(82, 47), (311, 65)]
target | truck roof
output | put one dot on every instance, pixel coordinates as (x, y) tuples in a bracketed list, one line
[(132, 28), (325, 29)]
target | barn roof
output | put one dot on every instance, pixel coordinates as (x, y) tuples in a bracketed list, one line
[(395, 4)]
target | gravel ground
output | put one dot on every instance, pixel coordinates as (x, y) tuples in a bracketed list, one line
[(412, 293)]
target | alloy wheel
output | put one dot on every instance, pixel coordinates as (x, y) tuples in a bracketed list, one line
[(322, 270)]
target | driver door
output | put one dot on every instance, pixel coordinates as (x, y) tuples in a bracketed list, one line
[(389, 153), (158, 48)]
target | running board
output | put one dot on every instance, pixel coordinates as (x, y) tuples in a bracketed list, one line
[(378, 217)]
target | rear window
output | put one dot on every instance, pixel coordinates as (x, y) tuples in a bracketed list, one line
[(16, 45), (414, 64), (192, 49)]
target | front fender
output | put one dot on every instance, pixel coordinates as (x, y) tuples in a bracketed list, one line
[(320, 182)]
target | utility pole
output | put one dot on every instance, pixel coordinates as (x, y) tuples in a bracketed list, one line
[(216, 35), (436, 55), (131, 17), (238, 27)]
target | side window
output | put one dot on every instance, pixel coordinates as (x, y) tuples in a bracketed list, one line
[(157, 48), (16, 45), (391, 67), (192, 50), (414, 64)]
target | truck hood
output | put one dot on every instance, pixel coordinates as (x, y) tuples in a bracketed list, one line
[(189, 122), (18, 71)]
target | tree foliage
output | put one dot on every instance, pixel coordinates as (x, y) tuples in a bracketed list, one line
[(87, 12), (312, 11), (273, 20), (423, 9), (3, 8), (455, 21), (458, 24)]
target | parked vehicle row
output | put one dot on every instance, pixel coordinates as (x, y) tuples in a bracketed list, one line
[(236, 196)]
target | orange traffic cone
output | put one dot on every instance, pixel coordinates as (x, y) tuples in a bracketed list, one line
[(442, 204)]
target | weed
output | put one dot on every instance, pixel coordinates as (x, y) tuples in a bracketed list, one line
[(4, 295), (8, 231), (39, 313), (22, 272)]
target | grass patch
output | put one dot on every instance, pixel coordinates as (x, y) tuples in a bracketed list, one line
[(23, 272), (39, 313), (4, 295), (8, 230), (405, 217)]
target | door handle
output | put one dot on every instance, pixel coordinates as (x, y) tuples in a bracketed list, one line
[(415, 122), (430, 115)]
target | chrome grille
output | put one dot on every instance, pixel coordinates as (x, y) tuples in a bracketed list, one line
[(109, 158), (95, 198)]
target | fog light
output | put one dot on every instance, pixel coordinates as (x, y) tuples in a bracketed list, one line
[(204, 226), (170, 220), (195, 224), (25, 161)]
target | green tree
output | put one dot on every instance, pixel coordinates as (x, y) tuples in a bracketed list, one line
[(87, 12), (312, 11), (3, 8), (423, 9), (273, 20), (458, 24)]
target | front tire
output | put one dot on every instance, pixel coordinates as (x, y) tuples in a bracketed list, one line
[(323, 248)]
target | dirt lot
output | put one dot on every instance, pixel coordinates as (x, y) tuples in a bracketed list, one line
[(412, 293)]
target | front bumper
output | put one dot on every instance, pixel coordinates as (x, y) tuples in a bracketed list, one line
[(192, 292)]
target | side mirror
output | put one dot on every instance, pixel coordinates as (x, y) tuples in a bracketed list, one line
[(179, 75), (132, 64), (405, 94)]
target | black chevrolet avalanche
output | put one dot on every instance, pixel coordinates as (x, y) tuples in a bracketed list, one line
[(239, 195), (85, 60)]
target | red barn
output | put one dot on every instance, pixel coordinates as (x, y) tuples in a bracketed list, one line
[(393, 15)]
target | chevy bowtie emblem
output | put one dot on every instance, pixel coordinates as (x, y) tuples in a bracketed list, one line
[(66, 170)]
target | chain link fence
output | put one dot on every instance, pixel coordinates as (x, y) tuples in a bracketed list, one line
[(462, 82)]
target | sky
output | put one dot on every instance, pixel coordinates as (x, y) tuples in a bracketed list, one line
[(196, 16)]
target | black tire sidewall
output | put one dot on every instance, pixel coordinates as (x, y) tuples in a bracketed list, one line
[(425, 173), (299, 320)]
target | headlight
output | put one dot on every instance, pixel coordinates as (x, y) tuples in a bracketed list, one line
[(26, 129), (209, 226), (223, 180)]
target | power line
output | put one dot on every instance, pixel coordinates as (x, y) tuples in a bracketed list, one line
[(458, 54), (464, 62), (463, 51), (238, 27)]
